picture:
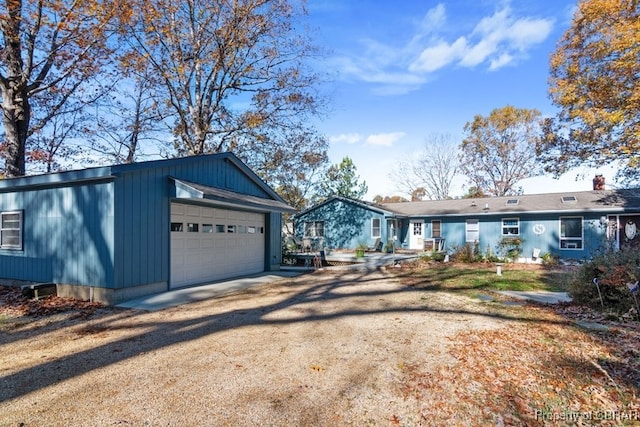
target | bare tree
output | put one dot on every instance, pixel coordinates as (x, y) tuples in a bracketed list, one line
[(49, 150), (431, 174), (51, 50), (129, 121)]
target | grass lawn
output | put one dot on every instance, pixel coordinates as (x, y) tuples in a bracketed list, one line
[(482, 277)]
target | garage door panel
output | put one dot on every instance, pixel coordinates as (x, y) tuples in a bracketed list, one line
[(227, 243)]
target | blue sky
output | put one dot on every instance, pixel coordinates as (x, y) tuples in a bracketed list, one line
[(404, 70)]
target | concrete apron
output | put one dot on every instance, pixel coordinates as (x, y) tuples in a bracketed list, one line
[(189, 294)]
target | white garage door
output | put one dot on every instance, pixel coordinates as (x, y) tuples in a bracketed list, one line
[(210, 244)]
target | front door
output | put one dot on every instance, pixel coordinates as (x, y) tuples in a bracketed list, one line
[(416, 235)]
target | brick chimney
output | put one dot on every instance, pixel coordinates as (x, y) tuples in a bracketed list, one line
[(598, 183)]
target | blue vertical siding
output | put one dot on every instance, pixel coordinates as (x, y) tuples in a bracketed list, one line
[(453, 230), (109, 227), (143, 212), (346, 225), (273, 252), (67, 234)]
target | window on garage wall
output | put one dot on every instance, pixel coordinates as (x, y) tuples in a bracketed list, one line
[(11, 230), (314, 229), (571, 235)]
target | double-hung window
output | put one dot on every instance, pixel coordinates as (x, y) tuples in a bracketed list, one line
[(375, 227), (314, 229), (436, 227), (510, 227), (11, 230), (472, 230), (571, 235)]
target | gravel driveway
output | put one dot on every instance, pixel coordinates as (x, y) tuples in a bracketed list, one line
[(329, 348)]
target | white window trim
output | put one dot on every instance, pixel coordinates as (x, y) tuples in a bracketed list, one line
[(436, 237), (466, 229), (516, 226), (374, 228), (17, 247), (581, 238)]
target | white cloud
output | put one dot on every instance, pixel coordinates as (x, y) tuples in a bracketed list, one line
[(501, 61), (348, 138), (384, 139), (496, 41), (501, 39), (435, 18), (439, 55), (477, 53), (526, 32)]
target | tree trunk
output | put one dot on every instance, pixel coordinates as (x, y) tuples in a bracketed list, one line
[(16, 117)]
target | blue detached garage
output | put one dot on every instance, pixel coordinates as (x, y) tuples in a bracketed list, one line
[(114, 233)]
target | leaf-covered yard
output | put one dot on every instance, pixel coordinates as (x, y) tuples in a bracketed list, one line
[(561, 365), (405, 346)]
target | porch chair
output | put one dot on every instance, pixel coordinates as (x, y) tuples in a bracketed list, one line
[(376, 247)]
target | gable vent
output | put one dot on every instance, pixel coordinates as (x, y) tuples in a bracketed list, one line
[(569, 199)]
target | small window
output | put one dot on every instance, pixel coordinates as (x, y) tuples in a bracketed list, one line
[(261, 230), (207, 228), (242, 229), (220, 228), (436, 229), (251, 230), (472, 230), (177, 226), (193, 227), (417, 229), (11, 230), (571, 233), (375, 227), (313, 229), (510, 227), (231, 228)]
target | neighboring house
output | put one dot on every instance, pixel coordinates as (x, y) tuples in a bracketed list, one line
[(568, 225), (114, 233), (342, 223)]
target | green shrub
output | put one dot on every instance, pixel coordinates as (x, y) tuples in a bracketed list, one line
[(613, 270), (438, 256), (509, 247), (549, 259)]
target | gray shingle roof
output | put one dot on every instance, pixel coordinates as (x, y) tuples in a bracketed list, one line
[(583, 201)]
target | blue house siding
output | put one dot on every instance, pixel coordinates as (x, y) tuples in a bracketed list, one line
[(67, 234), (603, 217), (347, 224), (142, 228), (105, 232), (537, 231), (143, 212), (273, 251)]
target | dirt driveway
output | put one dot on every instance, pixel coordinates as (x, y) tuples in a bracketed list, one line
[(326, 349)]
